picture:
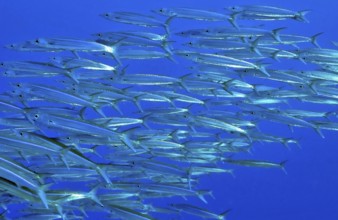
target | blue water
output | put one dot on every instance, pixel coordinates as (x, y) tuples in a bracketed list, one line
[(308, 190)]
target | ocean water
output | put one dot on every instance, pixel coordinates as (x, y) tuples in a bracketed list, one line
[(308, 189)]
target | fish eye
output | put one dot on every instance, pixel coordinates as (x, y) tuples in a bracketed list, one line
[(233, 8), (301, 86), (252, 113), (36, 116), (107, 15), (37, 41), (2, 64), (18, 85), (207, 31), (100, 35), (104, 54), (21, 134), (190, 43), (161, 10), (20, 96)]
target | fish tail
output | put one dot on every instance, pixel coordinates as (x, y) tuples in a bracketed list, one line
[(313, 88), (223, 215), (227, 85), (63, 158), (115, 105), (275, 55), (275, 33), (201, 197), (145, 119), (262, 68), (99, 110), (174, 135), (125, 139), (137, 103), (114, 50), (94, 151), (167, 23), (182, 81), (300, 16), (317, 129), (76, 54), (100, 170), (71, 74), (41, 193), (254, 45), (170, 57), (282, 166), (166, 45), (93, 195), (330, 113), (232, 19), (314, 39)]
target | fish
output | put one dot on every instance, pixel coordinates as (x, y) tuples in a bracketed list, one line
[(192, 13), (264, 12), (257, 163), (137, 19)]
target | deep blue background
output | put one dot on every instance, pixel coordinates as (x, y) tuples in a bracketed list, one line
[(310, 188)]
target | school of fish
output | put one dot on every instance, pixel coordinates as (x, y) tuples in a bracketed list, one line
[(85, 132)]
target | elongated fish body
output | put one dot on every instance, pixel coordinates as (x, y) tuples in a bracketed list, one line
[(142, 54), (229, 33), (36, 67), (137, 19), (23, 74), (262, 12), (219, 60), (133, 18), (191, 13), (133, 34), (75, 45), (75, 125), (288, 39), (203, 213), (79, 63), (256, 163), (54, 94), (144, 79), (219, 44)]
